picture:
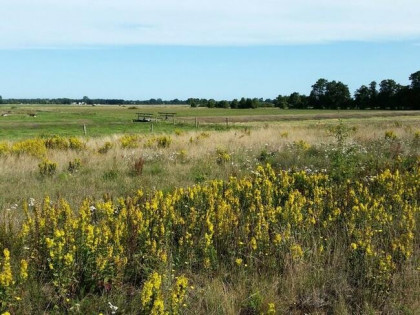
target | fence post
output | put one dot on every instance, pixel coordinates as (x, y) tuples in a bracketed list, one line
[(84, 129), (196, 122)]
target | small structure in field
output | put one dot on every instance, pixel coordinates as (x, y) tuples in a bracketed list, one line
[(167, 115), (143, 117), (32, 115)]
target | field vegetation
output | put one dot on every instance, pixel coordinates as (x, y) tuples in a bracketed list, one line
[(282, 216), (30, 121)]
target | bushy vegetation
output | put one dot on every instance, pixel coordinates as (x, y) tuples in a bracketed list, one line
[(267, 223), (38, 147), (284, 221)]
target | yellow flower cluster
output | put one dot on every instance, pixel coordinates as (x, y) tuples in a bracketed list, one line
[(222, 156), (178, 294), (4, 148), (6, 276), (61, 143), (35, 147), (262, 222), (381, 225), (152, 297), (38, 147), (129, 141), (11, 281), (160, 142)]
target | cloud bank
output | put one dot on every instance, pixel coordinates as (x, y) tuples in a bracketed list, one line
[(77, 23)]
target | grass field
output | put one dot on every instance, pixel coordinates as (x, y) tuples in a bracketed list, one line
[(280, 212), (108, 120)]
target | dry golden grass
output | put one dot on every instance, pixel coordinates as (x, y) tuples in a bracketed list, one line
[(189, 152), (316, 287)]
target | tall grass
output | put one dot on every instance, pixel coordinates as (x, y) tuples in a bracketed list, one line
[(330, 227)]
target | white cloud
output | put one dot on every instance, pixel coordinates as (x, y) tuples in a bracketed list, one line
[(48, 23)]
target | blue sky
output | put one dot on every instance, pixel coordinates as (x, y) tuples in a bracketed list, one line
[(190, 48)]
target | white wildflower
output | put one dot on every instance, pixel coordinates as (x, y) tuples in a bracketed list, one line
[(31, 202), (113, 308)]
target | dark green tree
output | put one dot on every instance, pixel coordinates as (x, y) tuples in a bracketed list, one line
[(211, 103), (388, 90), (295, 100), (414, 98), (193, 102), (242, 103), (203, 102), (337, 95), (281, 102), (234, 104), (317, 96), (362, 97), (415, 80), (373, 95), (222, 104), (255, 102)]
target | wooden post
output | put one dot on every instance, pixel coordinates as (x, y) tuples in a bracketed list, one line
[(84, 129), (196, 122)]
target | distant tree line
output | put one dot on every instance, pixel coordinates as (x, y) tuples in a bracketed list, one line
[(334, 95), (324, 95), (88, 101), (242, 103)]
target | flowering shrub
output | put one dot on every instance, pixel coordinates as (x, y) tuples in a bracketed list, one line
[(222, 156), (57, 142), (129, 141), (76, 144), (163, 141), (262, 222), (160, 142), (390, 135), (153, 300), (38, 147), (47, 168), (11, 281), (35, 147)]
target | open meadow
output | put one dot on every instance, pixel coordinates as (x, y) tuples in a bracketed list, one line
[(214, 211)]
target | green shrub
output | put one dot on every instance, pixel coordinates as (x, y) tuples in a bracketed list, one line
[(163, 141), (222, 156), (74, 166), (110, 175), (47, 168)]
